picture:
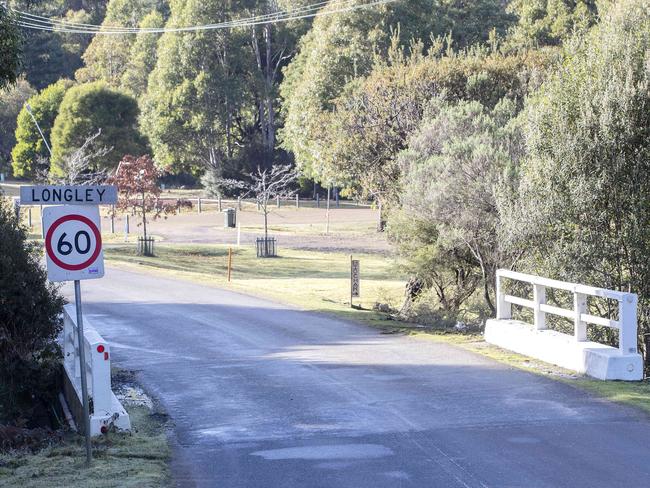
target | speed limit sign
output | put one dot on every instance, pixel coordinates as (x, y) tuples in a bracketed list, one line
[(73, 243)]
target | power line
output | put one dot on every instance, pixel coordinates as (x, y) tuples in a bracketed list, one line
[(27, 17), (258, 20), (36, 22)]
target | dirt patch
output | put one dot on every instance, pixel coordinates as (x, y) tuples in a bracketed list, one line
[(350, 230)]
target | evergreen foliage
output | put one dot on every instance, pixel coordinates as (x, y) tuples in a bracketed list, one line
[(142, 58), (86, 109), (582, 206), (107, 57), (340, 48), (10, 47), (30, 367), (30, 156), (12, 101), (50, 56)]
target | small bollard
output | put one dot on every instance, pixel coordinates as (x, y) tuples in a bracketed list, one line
[(646, 341), (126, 228), (198, 205), (219, 202), (229, 262)]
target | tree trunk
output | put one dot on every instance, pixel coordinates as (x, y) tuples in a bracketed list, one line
[(269, 78), (266, 225), (144, 217)]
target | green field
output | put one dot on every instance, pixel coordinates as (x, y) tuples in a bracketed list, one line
[(315, 281)]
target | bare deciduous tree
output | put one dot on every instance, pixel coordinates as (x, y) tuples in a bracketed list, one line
[(79, 167), (265, 185)]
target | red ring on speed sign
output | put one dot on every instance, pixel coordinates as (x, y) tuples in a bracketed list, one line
[(93, 228)]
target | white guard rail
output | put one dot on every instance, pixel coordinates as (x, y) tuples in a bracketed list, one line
[(573, 352), (106, 410)]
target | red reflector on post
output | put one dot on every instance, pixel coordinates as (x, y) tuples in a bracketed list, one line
[(100, 348), (105, 356)]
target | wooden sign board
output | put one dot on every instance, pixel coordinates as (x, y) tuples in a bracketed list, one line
[(354, 278)]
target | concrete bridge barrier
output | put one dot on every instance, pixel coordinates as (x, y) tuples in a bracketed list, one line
[(573, 352), (106, 410)]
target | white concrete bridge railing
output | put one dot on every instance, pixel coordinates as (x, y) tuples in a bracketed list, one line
[(570, 351), (106, 410)]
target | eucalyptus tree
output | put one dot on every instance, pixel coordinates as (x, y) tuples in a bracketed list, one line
[(273, 46), (342, 48), (9, 48), (50, 56), (142, 56), (107, 56), (195, 111)]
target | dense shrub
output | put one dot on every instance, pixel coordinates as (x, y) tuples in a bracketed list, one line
[(585, 193), (30, 357), (459, 160)]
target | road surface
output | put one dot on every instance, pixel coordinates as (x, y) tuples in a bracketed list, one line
[(263, 395)]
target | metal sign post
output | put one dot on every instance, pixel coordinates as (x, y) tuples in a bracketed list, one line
[(73, 250), (354, 280), (82, 364)]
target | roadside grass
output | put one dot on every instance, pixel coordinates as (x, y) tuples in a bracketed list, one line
[(316, 281), (120, 460), (635, 394)]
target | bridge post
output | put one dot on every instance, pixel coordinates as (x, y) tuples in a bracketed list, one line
[(579, 307), (627, 318), (504, 309), (539, 297)]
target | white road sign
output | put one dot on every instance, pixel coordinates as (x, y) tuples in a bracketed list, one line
[(73, 243), (68, 195)]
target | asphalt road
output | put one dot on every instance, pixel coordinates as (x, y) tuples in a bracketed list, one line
[(263, 395)]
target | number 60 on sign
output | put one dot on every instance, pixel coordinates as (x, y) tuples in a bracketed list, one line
[(73, 243)]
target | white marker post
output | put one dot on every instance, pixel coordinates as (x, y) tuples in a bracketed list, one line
[(327, 225), (73, 250)]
